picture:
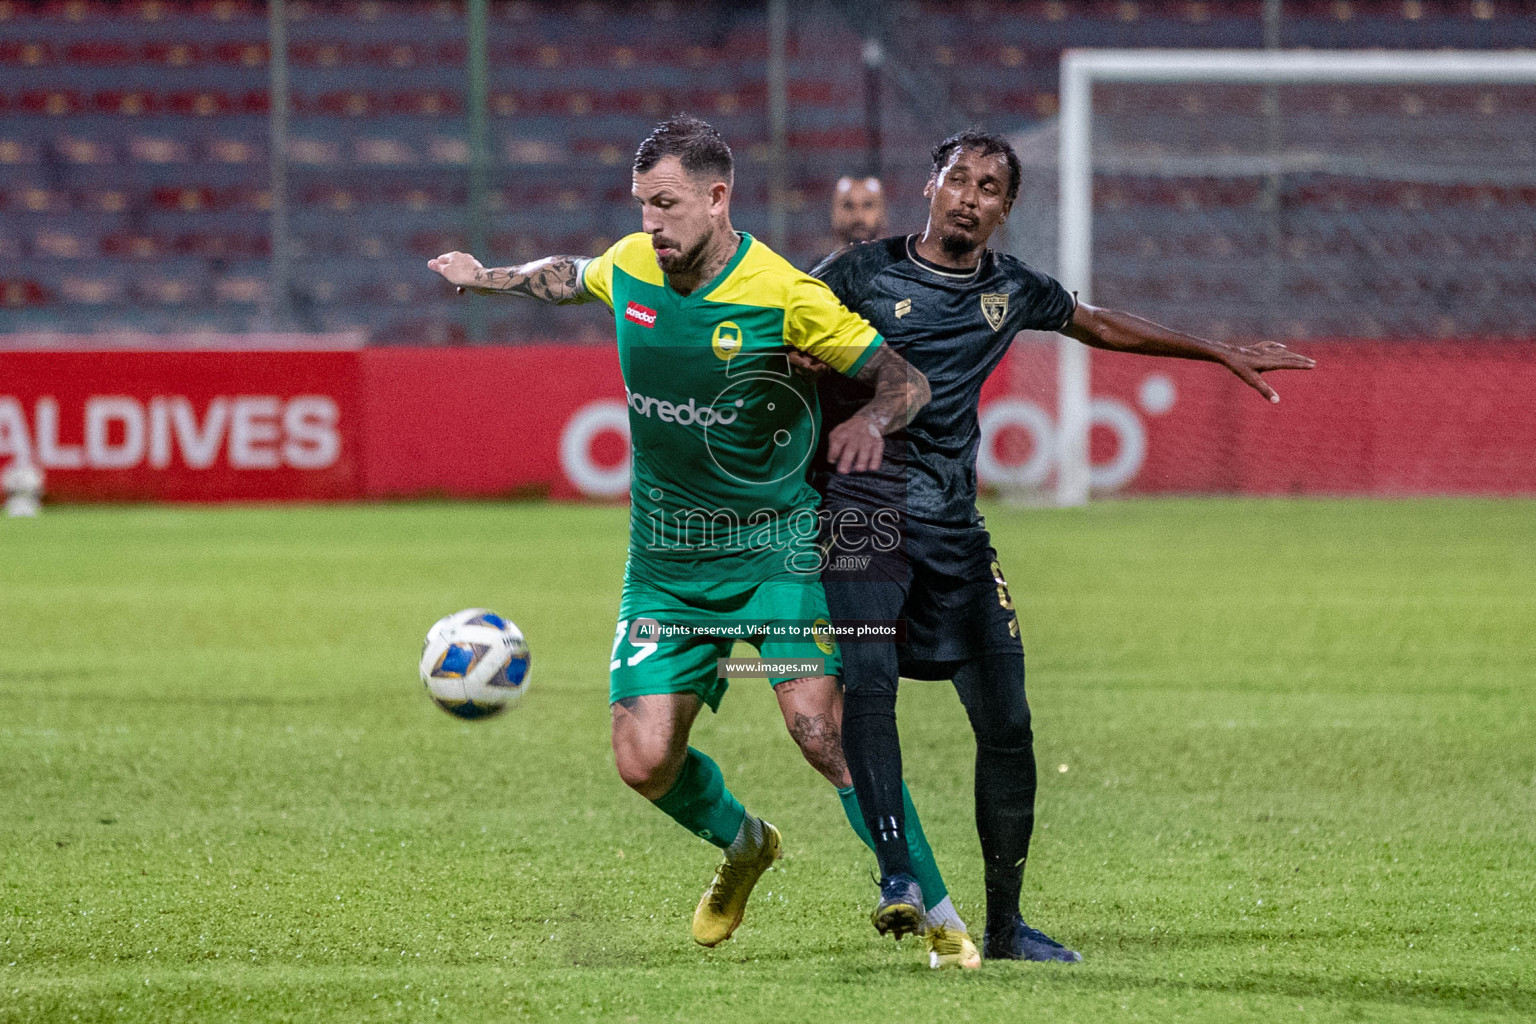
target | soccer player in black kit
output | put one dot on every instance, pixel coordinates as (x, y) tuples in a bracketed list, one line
[(902, 535)]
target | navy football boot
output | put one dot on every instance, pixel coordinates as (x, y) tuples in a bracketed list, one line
[(1021, 942), (900, 911)]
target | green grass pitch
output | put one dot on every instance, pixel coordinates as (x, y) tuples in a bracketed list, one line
[(1287, 750)]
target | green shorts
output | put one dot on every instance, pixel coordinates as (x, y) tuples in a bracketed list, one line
[(785, 617)]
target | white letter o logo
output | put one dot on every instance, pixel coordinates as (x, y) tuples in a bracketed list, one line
[(1122, 469), (576, 448), (1015, 412)]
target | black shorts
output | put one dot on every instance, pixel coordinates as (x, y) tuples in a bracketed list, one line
[(943, 582)]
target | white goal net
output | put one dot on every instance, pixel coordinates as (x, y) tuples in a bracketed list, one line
[(1295, 196)]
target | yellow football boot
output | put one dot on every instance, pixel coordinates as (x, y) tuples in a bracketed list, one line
[(725, 901), (951, 947)]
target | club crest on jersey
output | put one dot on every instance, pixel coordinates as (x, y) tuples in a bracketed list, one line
[(635, 313), (994, 306), (726, 341), (821, 632)]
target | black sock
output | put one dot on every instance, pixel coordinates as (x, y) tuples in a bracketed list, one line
[(873, 750), (992, 688)]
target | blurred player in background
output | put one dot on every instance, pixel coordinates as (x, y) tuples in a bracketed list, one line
[(858, 210), (723, 522), (952, 307)]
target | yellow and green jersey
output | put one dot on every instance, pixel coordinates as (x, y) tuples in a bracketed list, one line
[(722, 428)]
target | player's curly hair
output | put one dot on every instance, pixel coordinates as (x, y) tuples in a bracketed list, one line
[(693, 141), (986, 143)]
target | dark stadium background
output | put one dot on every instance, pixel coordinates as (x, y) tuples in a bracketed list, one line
[(136, 176)]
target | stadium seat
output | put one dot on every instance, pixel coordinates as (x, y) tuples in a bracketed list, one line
[(428, 102), (422, 195), (129, 103), (319, 54), (342, 103), (90, 291), (169, 291), (74, 150), (105, 200), (126, 246), (396, 54), (158, 150), (204, 103), (50, 102), (61, 244), (26, 53), (240, 289), (17, 151), (15, 292), (226, 10), (101, 52), (314, 151), (390, 151), (443, 149), (251, 53), (41, 200), (233, 151), (326, 194), (217, 245), (174, 54), (150, 11), (436, 242)]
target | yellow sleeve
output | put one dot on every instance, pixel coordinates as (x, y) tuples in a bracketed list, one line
[(818, 324), (597, 275)]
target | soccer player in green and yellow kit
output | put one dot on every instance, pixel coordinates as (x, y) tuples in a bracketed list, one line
[(723, 522)]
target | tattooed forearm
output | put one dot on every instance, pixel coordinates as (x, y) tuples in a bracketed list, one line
[(555, 279), (900, 390)]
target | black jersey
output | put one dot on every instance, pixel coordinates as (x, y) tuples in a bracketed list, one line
[(954, 327)]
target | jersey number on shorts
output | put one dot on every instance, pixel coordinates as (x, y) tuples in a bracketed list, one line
[(1004, 598), (642, 650)]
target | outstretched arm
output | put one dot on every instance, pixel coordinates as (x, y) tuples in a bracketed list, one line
[(1122, 332), (555, 279), (858, 443)]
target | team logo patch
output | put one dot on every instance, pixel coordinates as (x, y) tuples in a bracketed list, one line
[(726, 341), (821, 632), (994, 306), (635, 313)]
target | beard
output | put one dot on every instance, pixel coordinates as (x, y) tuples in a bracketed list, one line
[(859, 231), (956, 243), (684, 261)]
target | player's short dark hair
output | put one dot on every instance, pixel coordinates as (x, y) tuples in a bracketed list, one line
[(693, 141), (986, 143)]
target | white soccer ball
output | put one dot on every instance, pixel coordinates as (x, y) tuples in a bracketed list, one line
[(474, 663)]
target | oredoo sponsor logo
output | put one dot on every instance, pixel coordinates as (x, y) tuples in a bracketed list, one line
[(645, 316), (687, 414)]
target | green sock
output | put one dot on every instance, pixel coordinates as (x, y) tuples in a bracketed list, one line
[(699, 801), (924, 868)]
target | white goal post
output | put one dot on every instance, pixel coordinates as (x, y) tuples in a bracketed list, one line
[(1082, 69)]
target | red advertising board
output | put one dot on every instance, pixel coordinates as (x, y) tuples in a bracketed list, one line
[(184, 426), (1373, 418), (1382, 419), (488, 422)]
